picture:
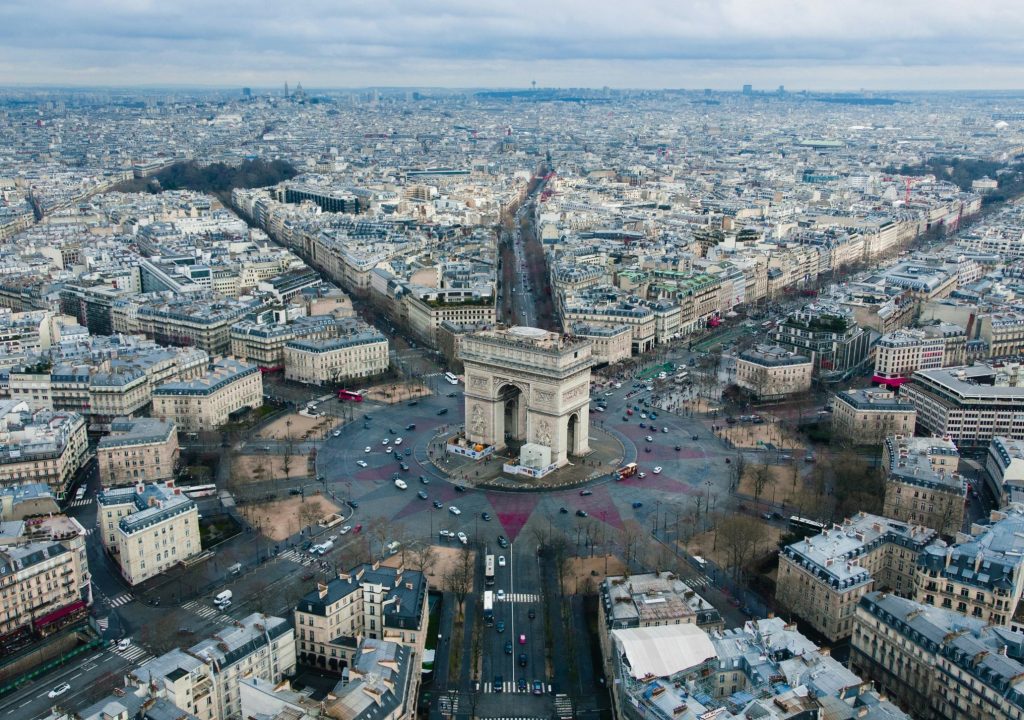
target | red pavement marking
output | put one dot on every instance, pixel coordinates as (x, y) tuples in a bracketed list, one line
[(513, 510), (662, 482), (600, 506)]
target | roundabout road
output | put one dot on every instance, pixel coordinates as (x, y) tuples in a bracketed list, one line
[(697, 468)]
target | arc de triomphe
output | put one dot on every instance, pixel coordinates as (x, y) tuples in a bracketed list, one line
[(524, 383)]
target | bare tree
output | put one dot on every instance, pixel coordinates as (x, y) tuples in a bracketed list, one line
[(739, 466), (763, 477), (459, 578), (632, 534), (740, 536), (289, 451), (422, 557), (309, 513), (562, 558)]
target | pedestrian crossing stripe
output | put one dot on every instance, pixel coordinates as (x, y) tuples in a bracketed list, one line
[(132, 653), (103, 623), (509, 686), (81, 503), (121, 600), (520, 597), (203, 611), (90, 531)]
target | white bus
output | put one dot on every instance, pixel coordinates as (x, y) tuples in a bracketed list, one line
[(488, 607), (452, 378), (489, 571)]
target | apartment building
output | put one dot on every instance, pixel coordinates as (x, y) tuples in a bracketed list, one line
[(379, 686), (864, 416), (639, 318), (829, 335), (1004, 469), (654, 600), (147, 528), (900, 354), (969, 404), (982, 574), (358, 354), (937, 664), (18, 502), (765, 669), (44, 580), (923, 485), (821, 578), (1003, 332), (370, 602), (771, 373), (610, 343), (263, 342), (205, 679), (425, 314), (41, 447), (139, 449), (207, 402)]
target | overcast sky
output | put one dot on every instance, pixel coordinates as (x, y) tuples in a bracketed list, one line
[(803, 44)]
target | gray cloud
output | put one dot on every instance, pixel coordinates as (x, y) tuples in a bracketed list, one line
[(638, 43)]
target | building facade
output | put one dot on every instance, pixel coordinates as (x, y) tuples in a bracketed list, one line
[(41, 447), (207, 402), (923, 485), (317, 362), (772, 373), (869, 416), (140, 449)]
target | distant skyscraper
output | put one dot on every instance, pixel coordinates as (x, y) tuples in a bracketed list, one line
[(286, 94), (247, 92), (748, 89), (782, 89)]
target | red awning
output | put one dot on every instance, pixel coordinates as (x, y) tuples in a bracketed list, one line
[(56, 615), (891, 382)]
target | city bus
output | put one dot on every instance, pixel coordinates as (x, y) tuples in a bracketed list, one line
[(452, 378), (199, 491), (489, 571), (488, 607), (625, 471), (805, 526), (352, 395)]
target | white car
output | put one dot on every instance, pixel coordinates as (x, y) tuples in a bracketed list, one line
[(462, 537), (361, 463), (657, 470), (336, 433), (501, 561), (398, 441), (367, 449), (332, 538), (643, 415), (400, 484), (124, 643), (59, 690), (641, 475), (454, 510), (649, 439), (501, 594), (345, 530), (664, 429), (385, 441), (446, 533)]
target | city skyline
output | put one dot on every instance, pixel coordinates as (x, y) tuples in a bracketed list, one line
[(873, 45)]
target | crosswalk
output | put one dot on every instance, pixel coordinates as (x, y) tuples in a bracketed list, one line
[(509, 686), (81, 503), (90, 531), (103, 623), (121, 600), (207, 612), (297, 557), (133, 653), (448, 705), (698, 583), (520, 597)]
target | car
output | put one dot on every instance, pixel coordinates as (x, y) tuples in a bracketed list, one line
[(404, 466), (401, 484), (641, 475), (58, 691), (398, 441), (649, 439), (421, 495), (367, 417), (647, 449), (442, 411), (522, 638), (451, 394), (664, 429), (332, 538), (353, 504), (643, 426), (385, 441), (361, 463), (586, 492), (294, 491), (499, 684), (454, 510), (500, 594), (508, 647), (657, 470), (408, 452), (358, 528), (581, 513), (391, 431), (501, 561), (345, 530), (643, 415), (563, 511), (766, 516), (424, 480), (532, 614), (521, 683), (438, 504), (446, 534), (522, 659), (410, 426), (485, 516), (538, 687), (694, 438), (459, 488), (637, 504), (336, 433), (503, 541), (625, 419), (413, 402), (653, 415), (462, 537), (679, 447), (124, 643)]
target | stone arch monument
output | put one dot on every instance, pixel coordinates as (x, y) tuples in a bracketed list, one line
[(529, 385)]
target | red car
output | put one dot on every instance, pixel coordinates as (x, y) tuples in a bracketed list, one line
[(357, 529)]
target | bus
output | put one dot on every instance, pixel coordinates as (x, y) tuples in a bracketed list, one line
[(488, 607), (805, 526), (452, 378), (489, 571), (625, 471), (352, 395), (199, 491)]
